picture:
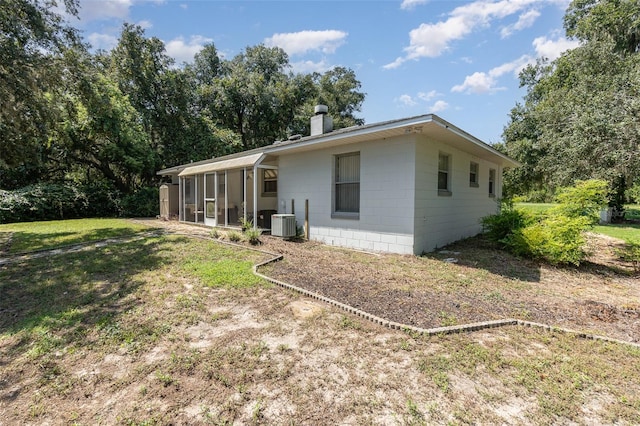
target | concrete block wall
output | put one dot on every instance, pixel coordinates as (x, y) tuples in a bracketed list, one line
[(440, 220), (385, 222)]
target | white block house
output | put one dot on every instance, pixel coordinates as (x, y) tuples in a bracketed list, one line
[(404, 186)]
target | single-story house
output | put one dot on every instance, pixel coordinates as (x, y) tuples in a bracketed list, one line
[(402, 186)]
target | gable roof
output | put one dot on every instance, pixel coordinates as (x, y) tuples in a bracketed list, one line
[(429, 125)]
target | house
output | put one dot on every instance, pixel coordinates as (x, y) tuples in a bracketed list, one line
[(403, 186)]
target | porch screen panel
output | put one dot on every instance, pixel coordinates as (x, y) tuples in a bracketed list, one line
[(347, 183), (210, 186)]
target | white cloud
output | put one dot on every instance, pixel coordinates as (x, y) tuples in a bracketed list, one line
[(304, 41), (438, 106), (306, 67), (551, 49), (93, 10), (102, 41), (478, 82), (432, 40), (423, 97), (406, 100), (410, 4), (183, 51), (144, 24), (524, 21), (487, 82), (184, 6), (428, 96)]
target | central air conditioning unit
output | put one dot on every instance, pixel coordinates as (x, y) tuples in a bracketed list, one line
[(283, 225)]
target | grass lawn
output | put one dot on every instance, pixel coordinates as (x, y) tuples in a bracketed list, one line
[(31, 236), (177, 330)]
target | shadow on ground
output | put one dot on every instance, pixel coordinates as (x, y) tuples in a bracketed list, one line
[(54, 300)]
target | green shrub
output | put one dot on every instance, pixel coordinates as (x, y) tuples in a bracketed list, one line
[(633, 193), (556, 235), (234, 236), (253, 235), (44, 201), (555, 238), (498, 227), (145, 202), (585, 199), (52, 201)]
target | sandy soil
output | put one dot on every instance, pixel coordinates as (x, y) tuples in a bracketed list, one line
[(600, 297)]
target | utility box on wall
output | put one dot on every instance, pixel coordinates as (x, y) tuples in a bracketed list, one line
[(283, 225)]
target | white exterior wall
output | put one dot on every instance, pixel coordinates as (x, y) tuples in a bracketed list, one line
[(440, 220), (387, 182)]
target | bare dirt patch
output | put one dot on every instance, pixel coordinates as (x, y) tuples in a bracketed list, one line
[(162, 348), (600, 297)]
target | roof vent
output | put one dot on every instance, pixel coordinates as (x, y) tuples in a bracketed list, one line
[(321, 122)]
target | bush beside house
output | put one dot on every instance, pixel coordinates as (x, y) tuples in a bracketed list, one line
[(556, 235)]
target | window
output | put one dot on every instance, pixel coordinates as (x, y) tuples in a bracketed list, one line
[(492, 183), (473, 174), (443, 174), (347, 184), (269, 182)]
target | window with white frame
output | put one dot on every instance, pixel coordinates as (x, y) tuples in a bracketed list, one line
[(347, 184), (444, 174), (269, 182), (492, 183), (473, 174)]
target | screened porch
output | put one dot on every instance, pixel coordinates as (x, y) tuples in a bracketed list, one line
[(228, 192)]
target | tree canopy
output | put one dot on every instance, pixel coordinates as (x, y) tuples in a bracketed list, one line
[(119, 116), (580, 118)]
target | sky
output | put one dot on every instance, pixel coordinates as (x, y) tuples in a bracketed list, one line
[(457, 59)]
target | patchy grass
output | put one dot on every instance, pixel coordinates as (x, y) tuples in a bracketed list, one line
[(136, 333), (32, 236)]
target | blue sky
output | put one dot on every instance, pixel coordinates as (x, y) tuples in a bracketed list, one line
[(457, 59)]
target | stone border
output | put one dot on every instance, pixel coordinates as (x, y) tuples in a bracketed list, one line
[(464, 328)]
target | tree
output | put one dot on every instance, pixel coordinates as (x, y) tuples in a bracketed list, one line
[(581, 116), (33, 38), (253, 96), (100, 130), (337, 88)]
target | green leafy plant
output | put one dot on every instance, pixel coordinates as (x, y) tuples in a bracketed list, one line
[(253, 235), (555, 235), (234, 236), (556, 238), (499, 226), (584, 199)]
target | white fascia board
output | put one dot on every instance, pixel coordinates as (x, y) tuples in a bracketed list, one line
[(359, 131), (453, 129)]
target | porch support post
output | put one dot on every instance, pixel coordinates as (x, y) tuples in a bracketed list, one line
[(180, 200), (255, 195), (244, 194)]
